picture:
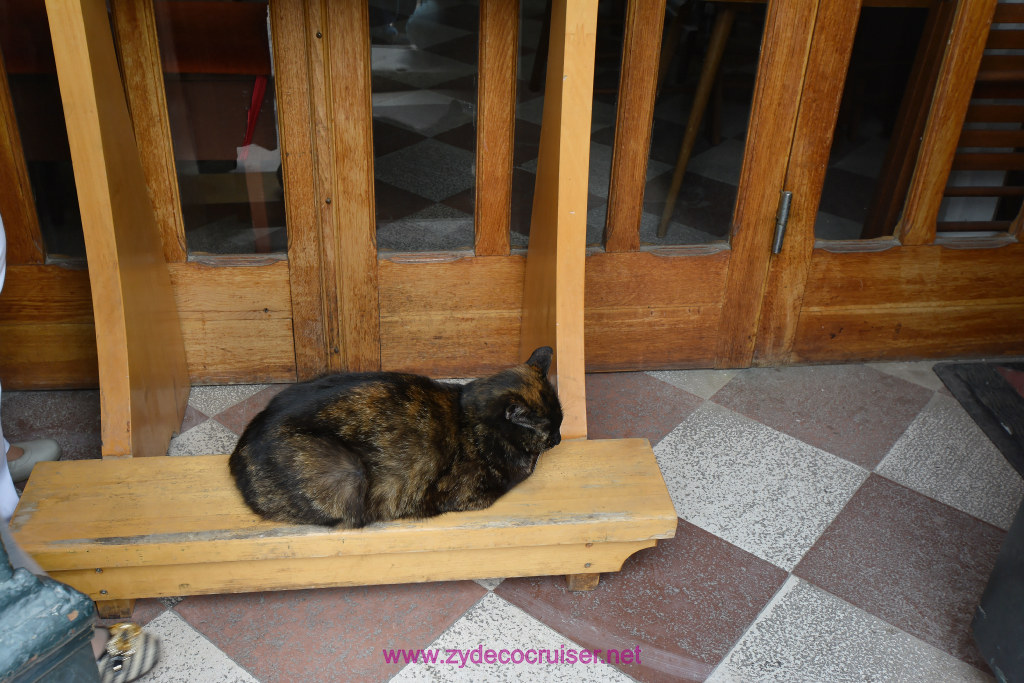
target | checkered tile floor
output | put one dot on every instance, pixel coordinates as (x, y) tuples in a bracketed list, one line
[(836, 523)]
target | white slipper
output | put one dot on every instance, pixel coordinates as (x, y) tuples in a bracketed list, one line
[(40, 450)]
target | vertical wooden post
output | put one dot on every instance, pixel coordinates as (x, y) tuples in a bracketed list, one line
[(553, 290), (143, 379)]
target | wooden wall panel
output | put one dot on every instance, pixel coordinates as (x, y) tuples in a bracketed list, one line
[(653, 310), (924, 302), (926, 275), (457, 318), (451, 318), (236, 322), (909, 332), (47, 335)]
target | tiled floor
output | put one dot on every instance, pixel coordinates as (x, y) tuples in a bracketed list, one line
[(837, 523)]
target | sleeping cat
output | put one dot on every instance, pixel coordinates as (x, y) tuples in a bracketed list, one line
[(352, 449)]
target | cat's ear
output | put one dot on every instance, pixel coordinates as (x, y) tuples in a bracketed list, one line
[(541, 359), (516, 413)]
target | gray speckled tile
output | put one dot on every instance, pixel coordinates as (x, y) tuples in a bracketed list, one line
[(212, 400), (806, 634), (432, 169), (918, 372), (703, 383), (757, 488), (206, 438), (497, 625), (489, 584), (186, 656), (945, 455)]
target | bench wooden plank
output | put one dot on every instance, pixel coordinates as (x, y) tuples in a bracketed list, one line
[(178, 526)]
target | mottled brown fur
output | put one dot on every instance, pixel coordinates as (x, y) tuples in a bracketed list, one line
[(353, 449)]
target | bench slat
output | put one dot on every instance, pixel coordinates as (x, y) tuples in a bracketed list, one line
[(148, 512)]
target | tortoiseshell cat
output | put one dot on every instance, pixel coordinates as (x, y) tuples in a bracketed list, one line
[(352, 449)]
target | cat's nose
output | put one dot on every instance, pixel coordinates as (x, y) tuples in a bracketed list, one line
[(555, 439)]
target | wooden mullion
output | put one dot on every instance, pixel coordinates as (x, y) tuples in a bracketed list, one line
[(295, 48), (134, 24), (17, 206), (495, 125), (638, 83), (785, 49), (350, 197), (815, 127), (945, 120)]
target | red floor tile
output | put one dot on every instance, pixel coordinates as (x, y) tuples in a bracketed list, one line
[(852, 411), (237, 417), (72, 418), (684, 603), (910, 560), (331, 634), (634, 404)]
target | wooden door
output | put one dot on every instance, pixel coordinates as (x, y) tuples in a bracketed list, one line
[(649, 302), (914, 279)]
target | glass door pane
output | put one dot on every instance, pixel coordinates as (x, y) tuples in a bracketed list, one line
[(220, 100), (887, 92), (35, 94), (424, 69)]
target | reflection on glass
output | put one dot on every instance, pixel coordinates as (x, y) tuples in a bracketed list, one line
[(424, 68), (32, 77), (709, 64), (872, 150), (985, 190), (220, 100)]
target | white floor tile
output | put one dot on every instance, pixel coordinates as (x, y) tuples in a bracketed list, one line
[(703, 383), (186, 656), (497, 625), (806, 634), (213, 400), (757, 488), (206, 438), (918, 372), (945, 455)]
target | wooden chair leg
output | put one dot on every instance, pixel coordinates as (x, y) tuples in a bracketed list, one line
[(115, 609), (716, 48), (582, 582)]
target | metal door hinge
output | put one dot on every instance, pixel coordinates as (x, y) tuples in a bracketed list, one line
[(781, 219)]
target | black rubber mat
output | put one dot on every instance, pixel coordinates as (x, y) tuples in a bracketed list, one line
[(986, 393)]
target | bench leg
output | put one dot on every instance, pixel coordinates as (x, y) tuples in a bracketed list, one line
[(582, 582), (115, 609)]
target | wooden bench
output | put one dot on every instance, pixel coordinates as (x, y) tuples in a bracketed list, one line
[(123, 529)]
